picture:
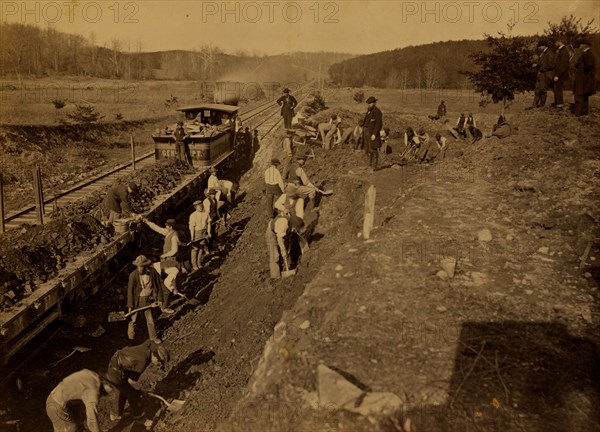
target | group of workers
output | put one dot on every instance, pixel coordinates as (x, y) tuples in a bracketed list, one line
[(121, 376), (552, 72)]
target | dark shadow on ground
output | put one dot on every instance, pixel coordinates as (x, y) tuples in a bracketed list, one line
[(517, 376)]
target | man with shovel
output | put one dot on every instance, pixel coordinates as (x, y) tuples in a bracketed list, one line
[(199, 225), (125, 368), (168, 259), (145, 288), (278, 230)]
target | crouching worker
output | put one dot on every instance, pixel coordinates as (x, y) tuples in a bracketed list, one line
[(290, 203), (298, 176), (168, 260), (145, 288), (199, 225), (124, 370), (85, 386), (279, 231)]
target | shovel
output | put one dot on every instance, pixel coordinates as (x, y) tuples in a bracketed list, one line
[(303, 244), (122, 316), (287, 272), (174, 406), (76, 349), (327, 192)]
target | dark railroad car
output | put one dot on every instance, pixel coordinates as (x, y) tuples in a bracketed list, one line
[(210, 134)]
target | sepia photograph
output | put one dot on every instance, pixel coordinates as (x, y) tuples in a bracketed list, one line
[(299, 216)]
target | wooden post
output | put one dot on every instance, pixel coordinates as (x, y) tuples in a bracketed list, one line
[(38, 194), (369, 212), (1, 204), (132, 152)]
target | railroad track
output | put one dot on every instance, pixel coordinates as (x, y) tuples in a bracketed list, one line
[(266, 113)]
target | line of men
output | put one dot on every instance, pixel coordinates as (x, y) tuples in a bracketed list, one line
[(552, 72)]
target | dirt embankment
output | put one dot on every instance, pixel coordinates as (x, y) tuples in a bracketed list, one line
[(510, 342)]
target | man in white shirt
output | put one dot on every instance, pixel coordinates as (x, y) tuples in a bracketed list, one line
[(298, 177), (278, 230), (199, 225), (222, 187), (274, 185), (168, 260)]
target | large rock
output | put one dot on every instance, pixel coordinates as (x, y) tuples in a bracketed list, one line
[(484, 235)]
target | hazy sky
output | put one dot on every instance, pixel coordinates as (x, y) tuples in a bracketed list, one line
[(273, 27)]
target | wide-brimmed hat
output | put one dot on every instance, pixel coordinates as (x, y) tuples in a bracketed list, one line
[(170, 222), (197, 202), (275, 161), (212, 169), (585, 41), (286, 90), (134, 188), (179, 123), (212, 191), (301, 157), (141, 261), (371, 99), (105, 377)]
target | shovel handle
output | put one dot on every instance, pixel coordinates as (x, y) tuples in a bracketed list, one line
[(160, 398), (128, 314)]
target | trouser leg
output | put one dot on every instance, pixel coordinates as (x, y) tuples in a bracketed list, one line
[(194, 258), (543, 96), (170, 282), (585, 108), (558, 94), (578, 107), (150, 323), (131, 327), (274, 268), (270, 197), (134, 397)]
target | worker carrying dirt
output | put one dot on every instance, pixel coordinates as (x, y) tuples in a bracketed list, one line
[(85, 386), (223, 188), (279, 231), (290, 203), (274, 185), (168, 259), (199, 225), (145, 288), (117, 202), (124, 370)]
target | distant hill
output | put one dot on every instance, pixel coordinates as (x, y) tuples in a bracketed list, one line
[(31, 51), (433, 65)]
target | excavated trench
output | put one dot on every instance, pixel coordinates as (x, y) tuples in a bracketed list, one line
[(215, 340)]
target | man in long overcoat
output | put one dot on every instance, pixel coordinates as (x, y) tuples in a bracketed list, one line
[(371, 132)]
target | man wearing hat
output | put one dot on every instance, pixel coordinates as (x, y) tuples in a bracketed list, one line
[(145, 287), (274, 185), (298, 177), (118, 201), (211, 206), (561, 71), (168, 259), (288, 151), (372, 129), (125, 368), (288, 104), (199, 225), (84, 386), (180, 148), (278, 231), (545, 73), (222, 187), (290, 202), (585, 77)]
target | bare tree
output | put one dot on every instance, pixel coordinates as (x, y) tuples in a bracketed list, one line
[(393, 79), (208, 54), (115, 56), (418, 80), (431, 75), (404, 78)]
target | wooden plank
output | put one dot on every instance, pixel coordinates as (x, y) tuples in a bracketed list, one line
[(369, 212)]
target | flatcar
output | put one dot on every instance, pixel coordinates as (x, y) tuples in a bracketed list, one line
[(211, 131)]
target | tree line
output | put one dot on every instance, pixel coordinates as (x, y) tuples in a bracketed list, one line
[(31, 51)]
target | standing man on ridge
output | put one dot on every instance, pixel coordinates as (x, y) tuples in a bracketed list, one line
[(372, 130), (288, 104)]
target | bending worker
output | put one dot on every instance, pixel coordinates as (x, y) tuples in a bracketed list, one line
[(168, 260), (125, 368), (85, 386), (298, 176), (278, 231), (222, 187), (118, 201), (274, 185)]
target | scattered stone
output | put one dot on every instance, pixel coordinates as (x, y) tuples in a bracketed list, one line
[(587, 275), (441, 309), (484, 235), (352, 250), (305, 325), (337, 275), (510, 237), (395, 166), (335, 390), (98, 331), (79, 321), (449, 266), (379, 403), (362, 309), (544, 250), (442, 275), (528, 292), (339, 267), (478, 278), (586, 314), (374, 361)]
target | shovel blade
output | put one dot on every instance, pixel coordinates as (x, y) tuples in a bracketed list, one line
[(116, 316), (288, 273), (175, 405)]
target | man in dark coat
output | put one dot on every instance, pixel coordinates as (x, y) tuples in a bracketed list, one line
[(545, 74), (126, 366), (145, 287), (561, 72), (371, 132), (180, 147), (117, 201), (288, 103), (585, 77)]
